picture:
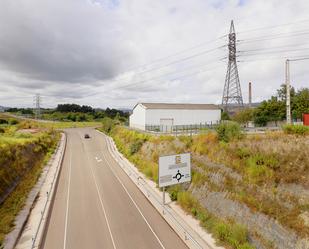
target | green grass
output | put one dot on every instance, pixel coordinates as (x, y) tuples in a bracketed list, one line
[(296, 129), (130, 143), (262, 161), (22, 155), (64, 125), (227, 232)]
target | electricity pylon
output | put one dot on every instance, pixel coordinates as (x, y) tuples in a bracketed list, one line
[(37, 103), (232, 92)]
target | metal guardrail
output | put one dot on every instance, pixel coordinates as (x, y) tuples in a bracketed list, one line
[(149, 192), (48, 194)]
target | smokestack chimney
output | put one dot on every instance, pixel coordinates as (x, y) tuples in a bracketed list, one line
[(250, 94)]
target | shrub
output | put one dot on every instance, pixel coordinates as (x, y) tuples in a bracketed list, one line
[(243, 153), (228, 131), (186, 201), (222, 231), (173, 191), (13, 122), (201, 143), (108, 124), (296, 129), (198, 179), (135, 146), (257, 170), (234, 234), (3, 121)]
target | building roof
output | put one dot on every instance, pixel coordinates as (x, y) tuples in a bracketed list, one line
[(174, 106)]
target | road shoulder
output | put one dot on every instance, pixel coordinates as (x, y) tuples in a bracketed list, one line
[(184, 225), (30, 223)]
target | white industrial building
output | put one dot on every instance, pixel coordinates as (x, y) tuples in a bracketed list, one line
[(168, 115)]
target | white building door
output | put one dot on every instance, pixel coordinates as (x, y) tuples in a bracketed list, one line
[(166, 124)]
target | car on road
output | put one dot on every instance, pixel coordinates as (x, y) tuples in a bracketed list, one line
[(86, 136)]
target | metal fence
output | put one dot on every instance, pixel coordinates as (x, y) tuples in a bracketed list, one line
[(181, 129)]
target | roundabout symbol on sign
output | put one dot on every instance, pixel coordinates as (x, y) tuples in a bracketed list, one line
[(178, 176)]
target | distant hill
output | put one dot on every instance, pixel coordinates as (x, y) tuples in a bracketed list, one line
[(3, 108)]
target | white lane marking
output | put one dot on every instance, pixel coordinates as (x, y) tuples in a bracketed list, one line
[(102, 205), (138, 209), (98, 159), (68, 198)]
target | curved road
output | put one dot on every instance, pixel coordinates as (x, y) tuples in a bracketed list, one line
[(97, 205)]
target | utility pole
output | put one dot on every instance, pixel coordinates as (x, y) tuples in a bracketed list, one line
[(250, 95), (288, 91), (288, 87), (37, 104), (232, 91)]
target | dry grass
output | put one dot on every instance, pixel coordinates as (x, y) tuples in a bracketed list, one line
[(264, 162), (290, 155)]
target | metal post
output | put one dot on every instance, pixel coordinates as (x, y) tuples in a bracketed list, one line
[(288, 96), (163, 196)]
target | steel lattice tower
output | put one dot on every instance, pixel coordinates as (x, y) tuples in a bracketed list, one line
[(232, 92), (37, 103)]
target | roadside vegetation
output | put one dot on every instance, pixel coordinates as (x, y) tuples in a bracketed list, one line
[(24, 149), (72, 113), (274, 109), (264, 164)]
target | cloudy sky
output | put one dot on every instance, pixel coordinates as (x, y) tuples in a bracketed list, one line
[(114, 53)]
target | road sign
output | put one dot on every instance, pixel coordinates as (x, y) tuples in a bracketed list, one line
[(174, 169)]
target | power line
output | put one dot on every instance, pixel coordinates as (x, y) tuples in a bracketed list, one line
[(183, 59), (177, 53), (300, 59), (176, 62), (272, 27), (266, 59), (270, 48), (274, 52), (272, 37), (147, 80), (192, 74)]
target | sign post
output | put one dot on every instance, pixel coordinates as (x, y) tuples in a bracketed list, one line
[(163, 195), (174, 169)]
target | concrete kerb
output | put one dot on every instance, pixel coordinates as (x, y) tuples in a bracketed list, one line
[(185, 226), (54, 187), (31, 234)]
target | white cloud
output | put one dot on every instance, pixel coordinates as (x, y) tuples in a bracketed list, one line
[(86, 51)]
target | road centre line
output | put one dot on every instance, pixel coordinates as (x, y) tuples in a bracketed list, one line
[(131, 197), (101, 202)]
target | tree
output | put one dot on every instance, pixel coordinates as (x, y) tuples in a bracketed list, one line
[(281, 92), (300, 103), (225, 116), (270, 110), (243, 116)]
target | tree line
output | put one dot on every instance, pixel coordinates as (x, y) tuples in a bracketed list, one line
[(274, 109), (74, 112)]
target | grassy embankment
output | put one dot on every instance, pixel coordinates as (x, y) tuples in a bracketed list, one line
[(31, 123), (22, 157), (262, 160)]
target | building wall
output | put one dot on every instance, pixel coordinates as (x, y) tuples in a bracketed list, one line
[(182, 117), (137, 118)]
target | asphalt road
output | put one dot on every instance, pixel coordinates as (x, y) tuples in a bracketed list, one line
[(97, 205)]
